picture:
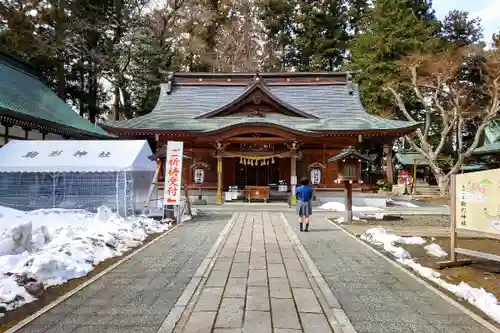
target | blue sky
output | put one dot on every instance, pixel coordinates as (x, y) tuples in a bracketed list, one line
[(487, 10)]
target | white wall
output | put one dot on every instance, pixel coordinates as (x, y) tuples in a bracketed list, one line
[(35, 135), (52, 136), (17, 131)]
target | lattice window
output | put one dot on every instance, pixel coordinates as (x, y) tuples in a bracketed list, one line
[(349, 171)]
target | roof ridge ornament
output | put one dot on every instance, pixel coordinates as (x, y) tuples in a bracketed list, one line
[(350, 85), (256, 77), (170, 78)]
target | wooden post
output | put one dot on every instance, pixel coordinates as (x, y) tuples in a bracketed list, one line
[(219, 180), (188, 202), (414, 192), (388, 163), (293, 179), (348, 201), (453, 218)]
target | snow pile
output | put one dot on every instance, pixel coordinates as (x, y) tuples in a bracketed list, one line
[(48, 247), (435, 250), (340, 207), (379, 236), (185, 218), (478, 297), (402, 203)]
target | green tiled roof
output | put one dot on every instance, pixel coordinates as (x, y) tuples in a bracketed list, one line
[(409, 158), (23, 94), (349, 152), (489, 148), (337, 107), (474, 167)]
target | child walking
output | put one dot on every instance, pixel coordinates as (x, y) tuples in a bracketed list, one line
[(304, 206)]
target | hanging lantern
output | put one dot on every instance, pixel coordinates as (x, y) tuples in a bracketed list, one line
[(251, 162), (241, 160), (272, 160)]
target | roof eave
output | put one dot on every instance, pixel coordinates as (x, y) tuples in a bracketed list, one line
[(257, 123), (72, 130)]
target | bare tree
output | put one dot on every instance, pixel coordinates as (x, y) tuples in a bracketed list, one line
[(446, 88)]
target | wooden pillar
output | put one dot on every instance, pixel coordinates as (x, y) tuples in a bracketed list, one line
[(219, 180), (348, 202), (293, 179), (387, 150), (453, 211)]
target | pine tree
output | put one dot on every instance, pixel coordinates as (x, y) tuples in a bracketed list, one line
[(460, 30), (357, 12), (277, 18), (320, 36), (391, 30)]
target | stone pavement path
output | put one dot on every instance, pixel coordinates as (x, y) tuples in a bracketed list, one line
[(378, 297), (257, 284), (137, 295), (261, 279)]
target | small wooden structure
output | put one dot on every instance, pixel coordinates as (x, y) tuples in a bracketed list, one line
[(257, 192), (349, 173)]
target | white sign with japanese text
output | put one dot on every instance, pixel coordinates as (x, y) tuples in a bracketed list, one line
[(173, 173)]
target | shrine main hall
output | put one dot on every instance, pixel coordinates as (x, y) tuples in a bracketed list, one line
[(256, 134)]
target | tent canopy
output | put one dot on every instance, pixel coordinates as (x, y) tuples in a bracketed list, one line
[(76, 156)]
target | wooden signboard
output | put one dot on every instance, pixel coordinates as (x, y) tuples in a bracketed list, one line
[(475, 207)]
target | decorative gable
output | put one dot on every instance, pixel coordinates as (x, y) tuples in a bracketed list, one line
[(257, 101)]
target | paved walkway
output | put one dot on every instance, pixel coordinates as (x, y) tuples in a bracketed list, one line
[(254, 273), (378, 297), (258, 284)]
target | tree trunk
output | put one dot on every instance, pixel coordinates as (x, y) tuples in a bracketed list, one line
[(116, 104), (60, 47), (444, 184)]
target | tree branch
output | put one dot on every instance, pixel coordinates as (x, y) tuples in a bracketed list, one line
[(420, 96), (401, 104)]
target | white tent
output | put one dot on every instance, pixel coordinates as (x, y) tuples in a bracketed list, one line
[(76, 174), (76, 156)]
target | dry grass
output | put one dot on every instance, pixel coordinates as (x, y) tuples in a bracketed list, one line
[(481, 274)]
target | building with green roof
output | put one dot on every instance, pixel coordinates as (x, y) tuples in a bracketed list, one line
[(261, 129), (29, 109)]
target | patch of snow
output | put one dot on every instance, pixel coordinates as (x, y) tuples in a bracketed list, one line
[(402, 203), (340, 207), (376, 216), (379, 236), (435, 250), (341, 220), (478, 297), (52, 246)]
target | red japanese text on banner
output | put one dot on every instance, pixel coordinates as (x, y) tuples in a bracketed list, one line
[(173, 173)]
